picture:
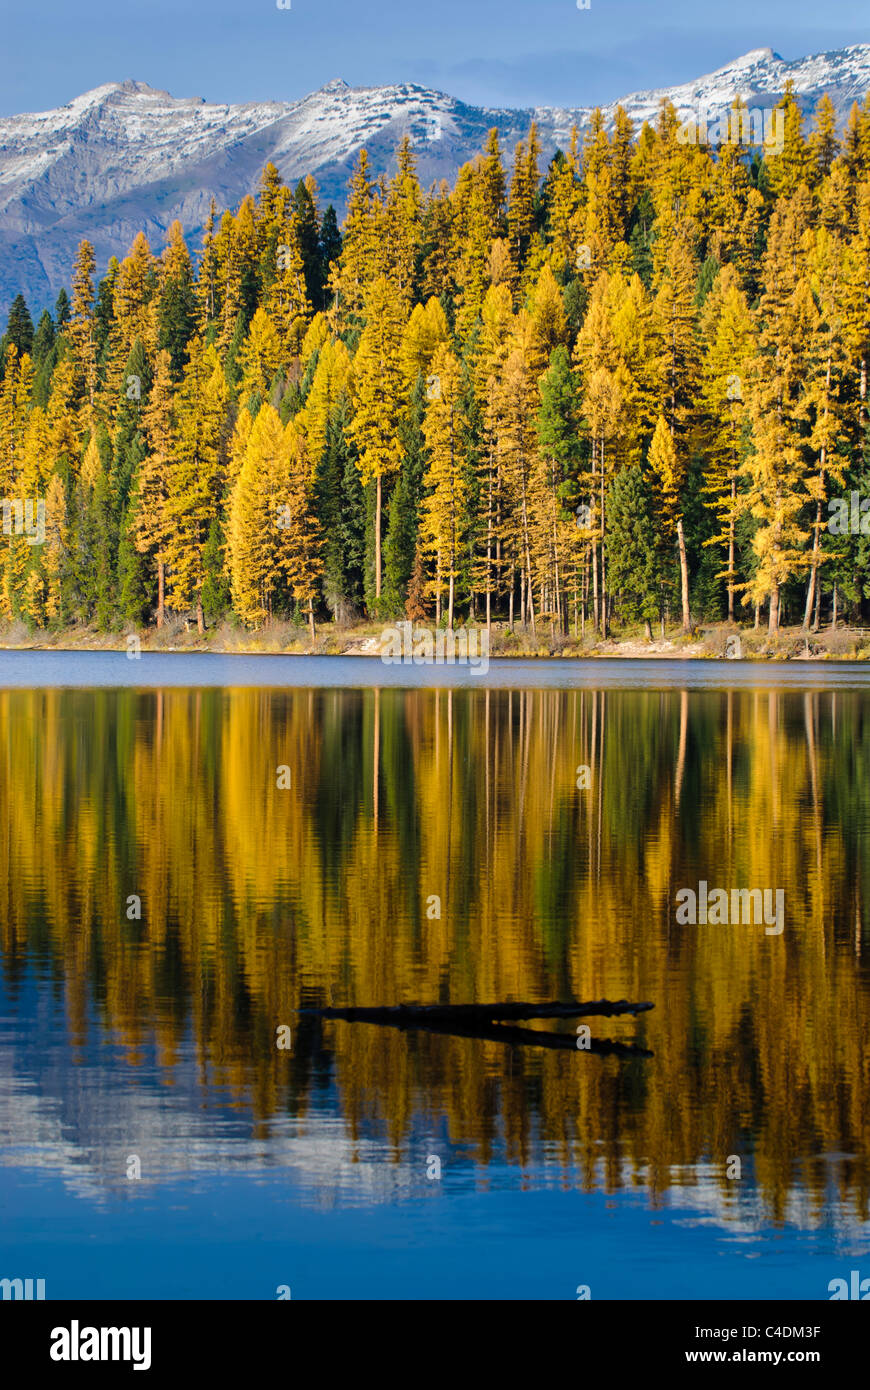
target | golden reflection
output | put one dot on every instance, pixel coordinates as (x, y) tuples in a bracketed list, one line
[(259, 900)]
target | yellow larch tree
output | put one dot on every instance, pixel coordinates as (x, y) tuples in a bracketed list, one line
[(332, 378), (81, 331), (379, 395), (153, 524), (445, 507), (260, 357), (258, 529), (729, 343), (777, 469)]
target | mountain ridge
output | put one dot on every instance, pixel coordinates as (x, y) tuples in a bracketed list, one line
[(125, 157)]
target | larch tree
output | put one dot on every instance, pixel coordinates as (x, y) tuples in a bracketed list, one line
[(153, 521), (565, 200), (667, 476), (674, 315), (260, 518), (302, 559), (379, 392), (82, 328), (445, 504), (197, 479), (517, 446), (776, 470), (330, 385), (828, 365), (259, 358), (729, 343)]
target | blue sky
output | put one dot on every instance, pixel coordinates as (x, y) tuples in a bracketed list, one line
[(498, 52)]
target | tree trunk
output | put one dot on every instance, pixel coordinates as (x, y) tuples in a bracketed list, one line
[(378, 538), (489, 557), (604, 624), (200, 618), (585, 591), (528, 552), (562, 618), (731, 552), (684, 577), (814, 564), (161, 592), (773, 614), (311, 618)]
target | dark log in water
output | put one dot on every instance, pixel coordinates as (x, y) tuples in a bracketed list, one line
[(481, 1021), (483, 1013)]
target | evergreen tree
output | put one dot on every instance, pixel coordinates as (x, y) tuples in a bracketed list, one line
[(19, 329), (308, 235), (634, 562), (44, 339), (176, 306), (62, 310), (341, 513), (330, 248), (215, 585)]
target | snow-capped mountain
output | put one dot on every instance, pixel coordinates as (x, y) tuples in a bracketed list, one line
[(125, 158)]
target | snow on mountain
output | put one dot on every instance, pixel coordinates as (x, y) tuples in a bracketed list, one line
[(125, 157), (760, 78)]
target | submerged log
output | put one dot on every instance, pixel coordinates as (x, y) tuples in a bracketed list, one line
[(484, 1021), (483, 1013)]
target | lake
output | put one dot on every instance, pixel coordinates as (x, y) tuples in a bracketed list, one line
[(199, 852)]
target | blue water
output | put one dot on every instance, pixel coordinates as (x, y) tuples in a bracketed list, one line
[(77, 669), (154, 1040)]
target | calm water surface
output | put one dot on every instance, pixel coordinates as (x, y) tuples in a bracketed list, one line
[(154, 1036)]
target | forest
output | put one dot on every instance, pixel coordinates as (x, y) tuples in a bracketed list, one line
[(625, 390)]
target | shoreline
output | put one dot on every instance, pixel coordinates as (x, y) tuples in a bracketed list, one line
[(754, 649), (499, 658)]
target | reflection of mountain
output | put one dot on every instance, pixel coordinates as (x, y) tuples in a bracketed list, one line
[(257, 902), (83, 1121)]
